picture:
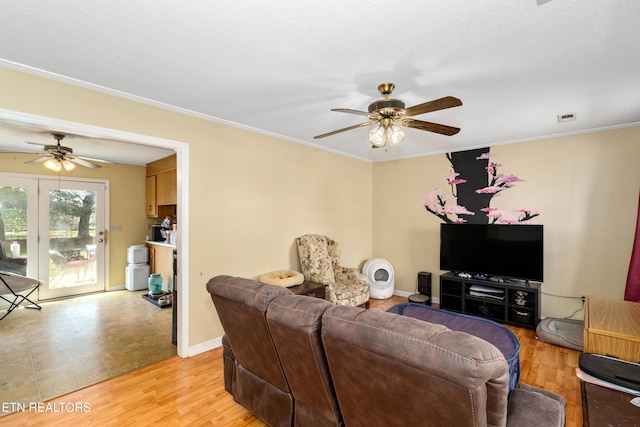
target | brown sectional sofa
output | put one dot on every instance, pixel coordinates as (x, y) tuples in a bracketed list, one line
[(292, 360)]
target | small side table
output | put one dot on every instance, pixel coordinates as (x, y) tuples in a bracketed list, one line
[(310, 289), (612, 327), (604, 406)]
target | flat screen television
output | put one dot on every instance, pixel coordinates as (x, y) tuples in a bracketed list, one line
[(513, 251)]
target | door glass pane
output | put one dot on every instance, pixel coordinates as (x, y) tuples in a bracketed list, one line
[(72, 238), (13, 229)]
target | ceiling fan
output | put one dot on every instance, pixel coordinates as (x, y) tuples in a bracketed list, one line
[(391, 115), (58, 157)]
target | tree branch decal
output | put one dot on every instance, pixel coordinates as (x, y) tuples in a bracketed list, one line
[(474, 181)]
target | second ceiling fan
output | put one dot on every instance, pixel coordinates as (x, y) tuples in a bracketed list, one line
[(58, 157), (391, 115)]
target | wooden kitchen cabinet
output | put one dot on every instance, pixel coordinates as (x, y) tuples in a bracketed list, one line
[(152, 203), (152, 259), (162, 187), (166, 188)]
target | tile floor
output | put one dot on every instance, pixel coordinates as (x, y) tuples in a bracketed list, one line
[(80, 341)]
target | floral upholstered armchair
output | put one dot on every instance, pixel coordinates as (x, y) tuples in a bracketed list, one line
[(320, 263)]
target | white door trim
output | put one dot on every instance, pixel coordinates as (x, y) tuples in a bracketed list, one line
[(182, 151)]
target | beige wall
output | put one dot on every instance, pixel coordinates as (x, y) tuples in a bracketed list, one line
[(126, 204), (250, 195), (585, 187)]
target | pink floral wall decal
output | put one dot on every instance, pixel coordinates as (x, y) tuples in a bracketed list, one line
[(474, 181)]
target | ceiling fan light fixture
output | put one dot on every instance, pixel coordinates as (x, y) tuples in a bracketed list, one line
[(394, 135), (53, 164), (378, 136), (386, 134), (68, 165)]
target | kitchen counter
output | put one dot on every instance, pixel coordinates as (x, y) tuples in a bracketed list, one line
[(161, 261), (165, 245)]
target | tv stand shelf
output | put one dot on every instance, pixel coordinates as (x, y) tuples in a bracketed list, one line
[(455, 295)]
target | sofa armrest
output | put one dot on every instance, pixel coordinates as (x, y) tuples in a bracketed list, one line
[(529, 406)]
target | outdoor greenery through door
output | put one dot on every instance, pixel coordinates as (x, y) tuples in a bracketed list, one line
[(54, 231)]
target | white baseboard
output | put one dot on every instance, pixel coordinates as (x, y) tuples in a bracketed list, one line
[(402, 293), (205, 346)]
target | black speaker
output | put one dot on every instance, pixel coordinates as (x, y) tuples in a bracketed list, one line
[(424, 283)]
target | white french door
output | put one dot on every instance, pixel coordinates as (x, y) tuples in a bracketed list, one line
[(63, 233), (71, 238)]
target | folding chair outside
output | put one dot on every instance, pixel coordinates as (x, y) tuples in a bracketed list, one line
[(10, 287)]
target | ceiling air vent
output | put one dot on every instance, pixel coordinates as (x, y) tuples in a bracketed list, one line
[(567, 117)]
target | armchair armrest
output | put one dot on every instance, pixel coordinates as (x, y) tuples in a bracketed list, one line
[(349, 274), (317, 278)]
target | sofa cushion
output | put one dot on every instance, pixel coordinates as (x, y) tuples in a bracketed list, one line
[(294, 322), (532, 406), (396, 370), (488, 330), (242, 305), (264, 400)]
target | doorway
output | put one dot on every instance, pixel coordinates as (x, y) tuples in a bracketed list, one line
[(54, 230), (182, 151)]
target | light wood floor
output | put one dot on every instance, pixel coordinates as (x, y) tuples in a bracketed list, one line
[(179, 392)]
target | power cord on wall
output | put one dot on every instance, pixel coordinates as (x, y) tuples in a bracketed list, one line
[(581, 298)]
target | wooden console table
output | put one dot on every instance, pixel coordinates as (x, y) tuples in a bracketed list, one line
[(612, 328)]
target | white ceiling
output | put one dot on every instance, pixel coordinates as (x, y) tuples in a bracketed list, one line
[(279, 66)]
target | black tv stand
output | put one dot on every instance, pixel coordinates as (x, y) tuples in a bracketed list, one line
[(495, 300)]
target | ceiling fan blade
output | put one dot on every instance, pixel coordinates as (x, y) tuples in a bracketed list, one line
[(350, 111), (344, 129), (83, 162), (38, 160), (91, 159), (435, 105), (431, 127)]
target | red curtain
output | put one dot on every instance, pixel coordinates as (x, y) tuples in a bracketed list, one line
[(632, 290)]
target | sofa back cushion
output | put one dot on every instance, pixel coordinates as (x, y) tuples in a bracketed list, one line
[(242, 307), (295, 323), (391, 370)]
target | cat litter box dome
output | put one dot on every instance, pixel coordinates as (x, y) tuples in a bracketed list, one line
[(381, 278)]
